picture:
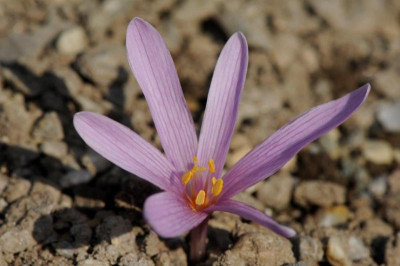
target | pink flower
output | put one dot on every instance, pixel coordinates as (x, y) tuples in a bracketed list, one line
[(190, 172)]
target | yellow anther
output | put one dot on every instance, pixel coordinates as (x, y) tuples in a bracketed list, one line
[(201, 197), (213, 180), (191, 173), (187, 176), (217, 187), (211, 165)]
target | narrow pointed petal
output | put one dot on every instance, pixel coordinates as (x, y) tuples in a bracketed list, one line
[(155, 72), (169, 215), (275, 151), (223, 102), (252, 214), (125, 148)]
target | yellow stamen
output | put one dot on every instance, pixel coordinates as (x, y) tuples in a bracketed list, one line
[(187, 176), (191, 173), (201, 197), (211, 165), (217, 187), (213, 180)]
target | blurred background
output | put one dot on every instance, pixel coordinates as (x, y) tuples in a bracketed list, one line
[(62, 204)]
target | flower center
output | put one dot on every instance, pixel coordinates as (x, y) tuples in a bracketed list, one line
[(201, 189)]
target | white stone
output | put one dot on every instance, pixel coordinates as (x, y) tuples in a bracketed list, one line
[(357, 249), (389, 117), (72, 41), (378, 187), (336, 253), (377, 151), (333, 216)]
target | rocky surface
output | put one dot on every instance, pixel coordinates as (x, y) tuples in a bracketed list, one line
[(62, 204)]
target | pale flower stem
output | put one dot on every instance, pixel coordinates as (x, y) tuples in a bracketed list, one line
[(198, 242)]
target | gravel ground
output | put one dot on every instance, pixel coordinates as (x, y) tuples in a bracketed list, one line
[(62, 204)]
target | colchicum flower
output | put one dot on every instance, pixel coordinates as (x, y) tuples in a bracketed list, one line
[(190, 172)]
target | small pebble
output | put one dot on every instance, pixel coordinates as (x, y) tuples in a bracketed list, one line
[(276, 191), (72, 41), (310, 249), (388, 116), (16, 189), (57, 149), (378, 187), (333, 216), (49, 127), (74, 178), (336, 252), (319, 193), (378, 151), (357, 249)]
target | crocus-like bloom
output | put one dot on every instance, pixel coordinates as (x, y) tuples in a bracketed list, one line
[(190, 172)]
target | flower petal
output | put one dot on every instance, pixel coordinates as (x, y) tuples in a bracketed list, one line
[(252, 214), (125, 148), (275, 151), (223, 101), (155, 72), (169, 215)]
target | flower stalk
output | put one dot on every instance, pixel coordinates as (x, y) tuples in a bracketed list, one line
[(198, 242)]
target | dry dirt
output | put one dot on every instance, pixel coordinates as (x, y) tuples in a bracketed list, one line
[(62, 204)]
